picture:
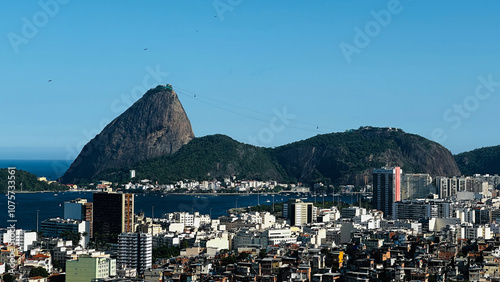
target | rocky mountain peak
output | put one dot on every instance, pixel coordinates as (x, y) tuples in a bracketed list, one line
[(154, 126)]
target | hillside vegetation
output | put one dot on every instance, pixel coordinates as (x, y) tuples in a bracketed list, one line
[(206, 158), (484, 160), (29, 182), (336, 158)]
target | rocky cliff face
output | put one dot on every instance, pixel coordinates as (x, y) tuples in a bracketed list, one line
[(154, 126), (350, 157)]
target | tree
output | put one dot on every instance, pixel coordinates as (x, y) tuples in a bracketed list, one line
[(229, 260), (99, 242), (75, 237), (364, 204), (184, 244), (38, 271), (30, 182), (56, 264), (8, 278), (165, 252), (242, 256)]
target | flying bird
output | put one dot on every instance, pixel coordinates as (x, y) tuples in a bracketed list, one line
[(50, 80), (145, 49)]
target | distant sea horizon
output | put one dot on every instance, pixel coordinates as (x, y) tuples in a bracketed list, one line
[(52, 169)]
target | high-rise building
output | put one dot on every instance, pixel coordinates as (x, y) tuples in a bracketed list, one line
[(135, 250), (416, 186), (79, 209), (449, 186), (113, 214), (298, 212), (482, 215), (386, 189), (445, 187)]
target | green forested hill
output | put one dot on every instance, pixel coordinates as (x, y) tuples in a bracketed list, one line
[(349, 157), (206, 158), (29, 182), (484, 160), (338, 158)]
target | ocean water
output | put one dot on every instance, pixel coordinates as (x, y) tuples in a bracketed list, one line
[(51, 205), (52, 169)]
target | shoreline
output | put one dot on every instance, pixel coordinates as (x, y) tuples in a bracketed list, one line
[(54, 191), (194, 194)]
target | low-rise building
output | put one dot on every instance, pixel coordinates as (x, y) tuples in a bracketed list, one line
[(88, 267)]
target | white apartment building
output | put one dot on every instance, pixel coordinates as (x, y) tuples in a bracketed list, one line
[(279, 236), (475, 232), (169, 240), (189, 220), (19, 237), (135, 250)]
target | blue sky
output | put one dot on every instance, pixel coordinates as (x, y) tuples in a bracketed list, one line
[(263, 72)]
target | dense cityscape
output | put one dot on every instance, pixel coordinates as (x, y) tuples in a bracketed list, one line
[(405, 227), (237, 141)]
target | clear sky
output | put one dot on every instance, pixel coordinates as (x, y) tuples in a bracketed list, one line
[(263, 72)]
